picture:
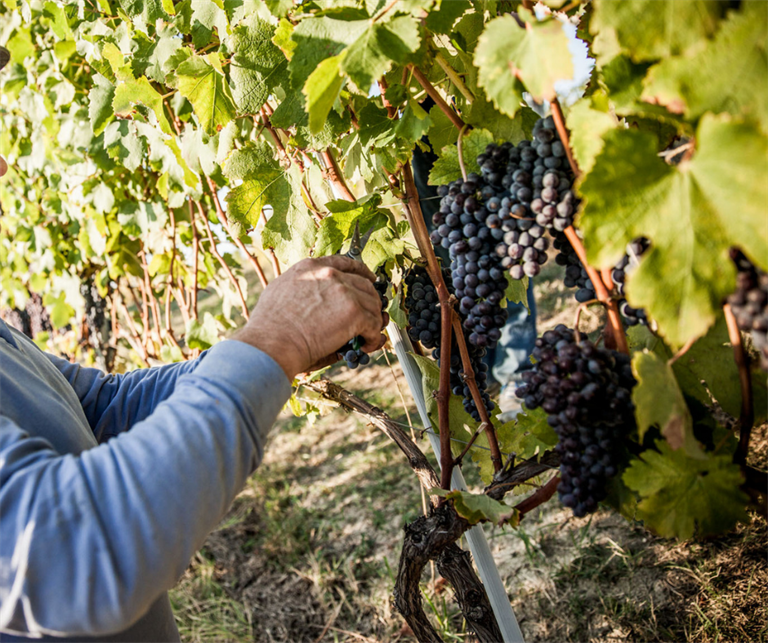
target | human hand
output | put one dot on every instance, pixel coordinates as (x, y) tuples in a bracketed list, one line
[(315, 307)]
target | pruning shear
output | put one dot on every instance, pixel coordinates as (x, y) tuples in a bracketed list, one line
[(357, 244)]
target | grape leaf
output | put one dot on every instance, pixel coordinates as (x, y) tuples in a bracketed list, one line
[(322, 89), (588, 120), (688, 214), (482, 113), (282, 38), (477, 507), (683, 495), (201, 81), (372, 54), (140, 91), (279, 8), (290, 231), (100, 103), (719, 77), (317, 39), (537, 56), (441, 20), (528, 435), (710, 360), (517, 291), (658, 400), (375, 126), (647, 30), (384, 245), (58, 309), (202, 335), (447, 169), (264, 183), (149, 10), (258, 65), (442, 132), (123, 144), (338, 226), (167, 43)]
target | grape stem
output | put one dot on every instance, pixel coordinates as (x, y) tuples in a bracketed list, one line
[(457, 461), (454, 77), (682, 351), (195, 260), (617, 339), (252, 259), (469, 380), (435, 96), (538, 497), (419, 229), (603, 296), (460, 150), (577, 317), (557, 116), (747, 415), (334, 175)]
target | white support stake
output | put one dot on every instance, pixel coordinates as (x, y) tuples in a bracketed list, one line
[(478, 544)]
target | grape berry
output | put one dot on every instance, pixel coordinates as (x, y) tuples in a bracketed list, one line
[(586, 392), (352, 351), (421, 302)]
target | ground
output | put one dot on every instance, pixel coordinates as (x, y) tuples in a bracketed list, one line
[(310, 548)]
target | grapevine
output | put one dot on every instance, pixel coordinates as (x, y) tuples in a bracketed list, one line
[(164, 156)]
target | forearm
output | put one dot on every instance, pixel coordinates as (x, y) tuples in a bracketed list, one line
[(114, 403), (99, 537)]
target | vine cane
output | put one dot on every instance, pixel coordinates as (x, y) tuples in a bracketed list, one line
[(478, 544)]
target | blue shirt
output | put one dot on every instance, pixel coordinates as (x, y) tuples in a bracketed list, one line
[(110, 483)]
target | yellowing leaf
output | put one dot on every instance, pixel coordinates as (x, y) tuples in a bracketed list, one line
[(201, 81), (692, 213), (683, 496)]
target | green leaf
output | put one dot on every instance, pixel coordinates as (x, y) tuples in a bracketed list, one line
[(290, 231), (100, 104), (317, 39), (322, 89), (587, 121), (443, 19), (647, 30), (517, 291), (204, 335), (167, 44), (123, 144), (375, 126), (710, 362), (141, 92), (245, 202), (447, 169), (720, 76), (483, 114), (338, 227), (683, 495), (688, 214), (282, 38), (528, 435), (279, 8), (373, 53), (258, 65), (201, 81), (414, 122), (536, 56), (659, 401), (384, 245), (477, 507), (59, 310), (442, 132), (148, 10)]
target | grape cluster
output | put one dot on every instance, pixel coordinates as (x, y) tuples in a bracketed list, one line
[(576, 276), (421, 302), (95, 309), (352, 352), (586, 392), (749, 303), (467, 227), (30, 320)]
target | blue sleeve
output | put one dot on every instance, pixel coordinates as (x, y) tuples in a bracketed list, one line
[(89, 542), (114, 403)]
